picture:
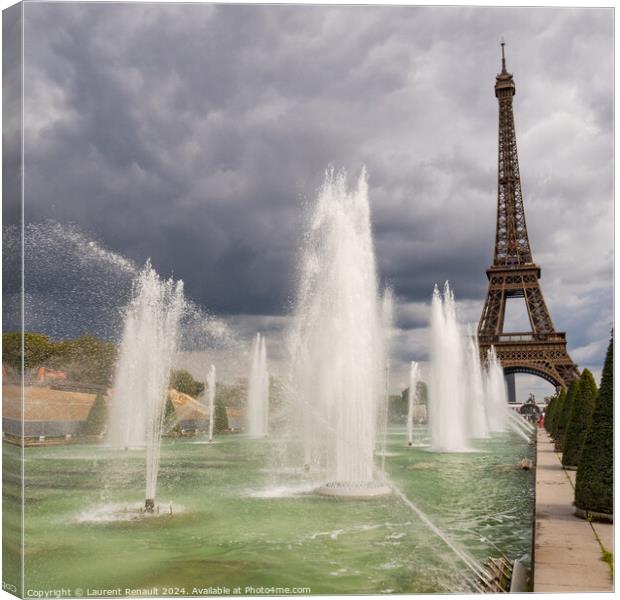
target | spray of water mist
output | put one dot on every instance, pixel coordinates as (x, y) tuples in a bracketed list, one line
[(147, 348), (337, 340), (258, 389)]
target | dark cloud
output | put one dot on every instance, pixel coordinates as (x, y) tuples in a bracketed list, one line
[(196, 134)]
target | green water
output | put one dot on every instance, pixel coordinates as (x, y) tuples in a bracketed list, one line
[(221, 534)]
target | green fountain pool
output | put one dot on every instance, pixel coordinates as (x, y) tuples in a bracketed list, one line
[(240, 523)]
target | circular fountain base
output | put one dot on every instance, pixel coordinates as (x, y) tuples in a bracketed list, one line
[(354, 490)]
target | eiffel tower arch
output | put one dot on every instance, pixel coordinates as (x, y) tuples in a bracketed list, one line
[(513, 274)]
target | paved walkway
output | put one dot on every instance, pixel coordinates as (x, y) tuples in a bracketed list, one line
[(567, 555)]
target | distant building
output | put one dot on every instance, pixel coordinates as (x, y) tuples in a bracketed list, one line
[(46, 375)]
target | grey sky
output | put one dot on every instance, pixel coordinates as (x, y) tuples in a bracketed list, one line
[(197, 134)]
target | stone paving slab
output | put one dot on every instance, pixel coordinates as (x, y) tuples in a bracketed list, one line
[(605, 532), (567, 555)]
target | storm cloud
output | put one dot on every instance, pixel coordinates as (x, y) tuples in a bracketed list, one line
[(196, 135)]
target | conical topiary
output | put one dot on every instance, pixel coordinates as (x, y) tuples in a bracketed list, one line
[(557, 411), (97, 416), (221, 416), (579, 420), (562, 418), (171, 422), (594, 487), (550, 413)]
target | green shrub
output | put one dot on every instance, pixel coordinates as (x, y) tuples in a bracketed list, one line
[(594, 486), (563, 414), (579, 419)]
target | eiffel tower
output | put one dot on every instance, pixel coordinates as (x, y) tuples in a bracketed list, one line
[(513, 274)]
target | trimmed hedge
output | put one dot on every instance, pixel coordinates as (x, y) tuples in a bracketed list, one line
[(579, 419), (562, 418), (594, 487)]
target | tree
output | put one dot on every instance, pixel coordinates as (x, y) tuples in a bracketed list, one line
[(554, 411), (594, 485), (97, 416), (38, 349), (221, 418), (551, 409), (421, 393), (562, 418), (86, 359), (182, 381), (579, 419)]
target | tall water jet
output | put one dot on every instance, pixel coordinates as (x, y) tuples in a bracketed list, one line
[(447, 392), (147, 348), (413, 394), (387, 319), (476, 411), (258, 390), (337, 342), (211, 397), (496, 395)]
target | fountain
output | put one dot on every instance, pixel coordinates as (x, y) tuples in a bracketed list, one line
[(496, 396), (413, 393), (337, 343), (341, 338), (148, 345), (258, 389), (447, 392), (387, 319), (477, 417), (211, 397)]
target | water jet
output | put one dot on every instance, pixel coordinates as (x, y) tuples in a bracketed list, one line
[(149, 342), (447, 397), (258, 390), (337, 342)]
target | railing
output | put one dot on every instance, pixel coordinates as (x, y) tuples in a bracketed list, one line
[(523, 337)]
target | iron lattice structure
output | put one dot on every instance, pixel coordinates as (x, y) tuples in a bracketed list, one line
[(541, 351)]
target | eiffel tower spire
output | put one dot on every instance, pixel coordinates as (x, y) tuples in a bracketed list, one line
[(513, 274), (512, 246)]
